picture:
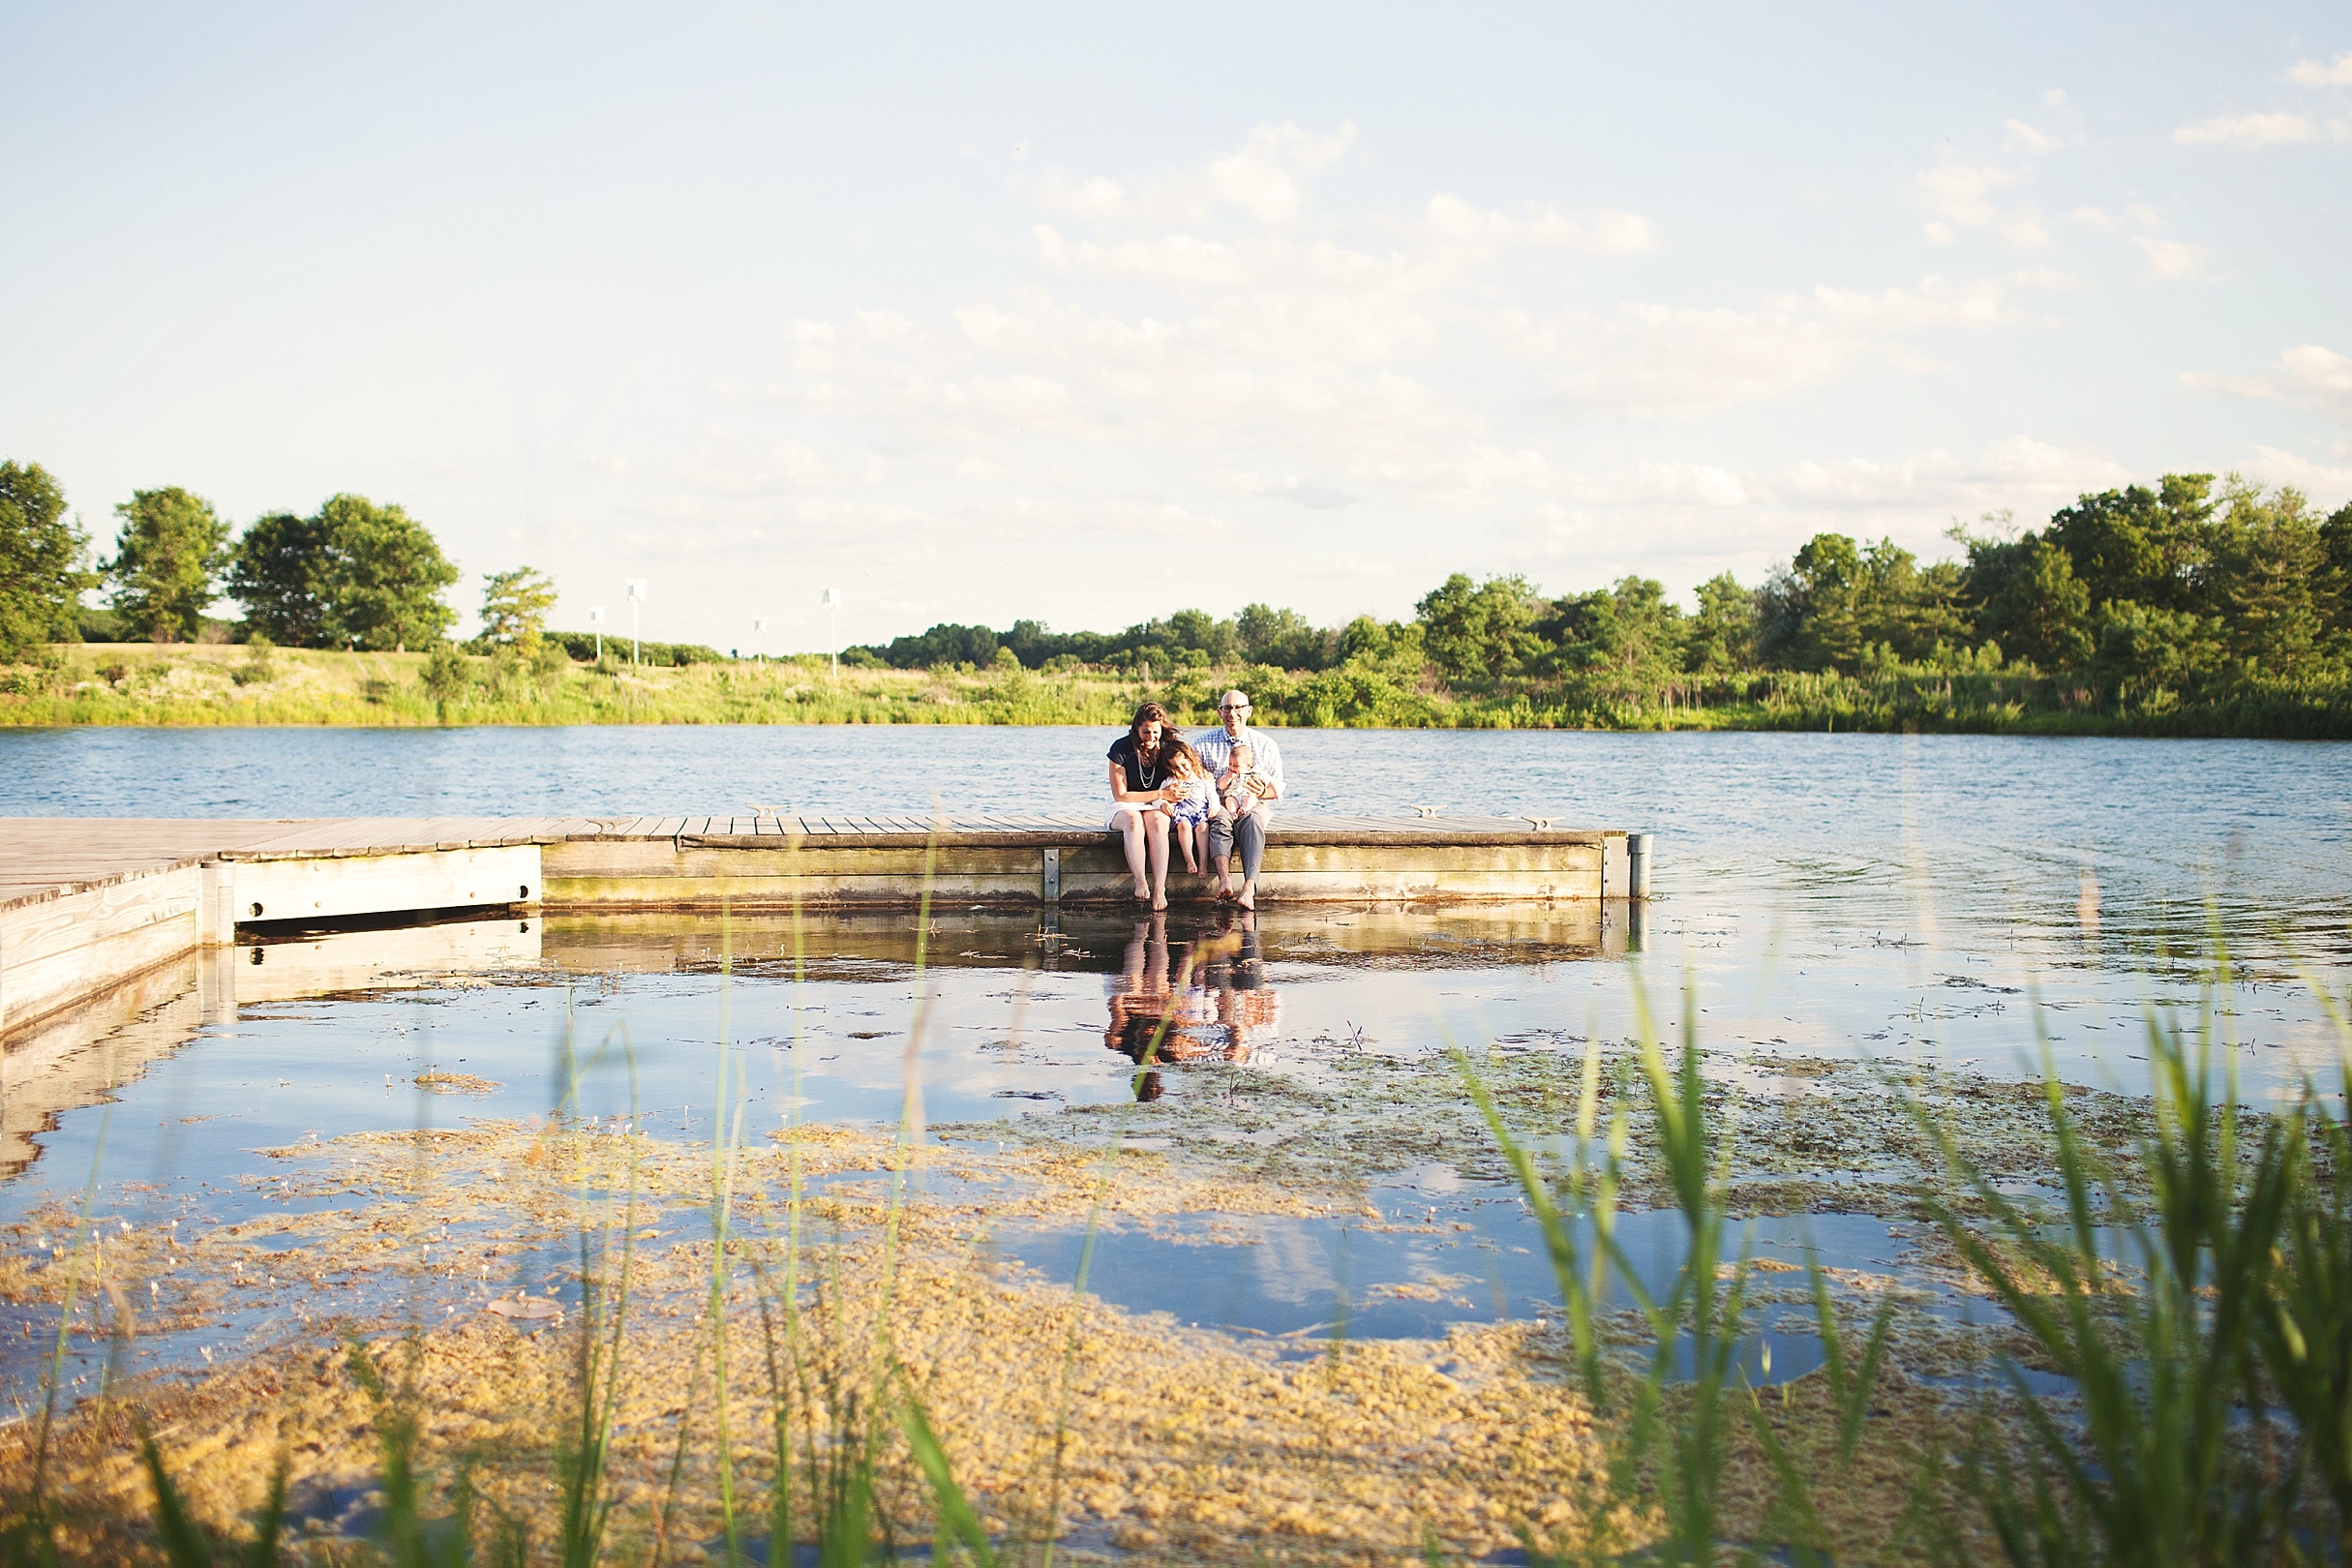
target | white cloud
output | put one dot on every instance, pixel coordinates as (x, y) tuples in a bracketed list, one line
[(2174, 260), (1187, 350), (2019, 471), (2307, 374), (1655, 361), (1598, 234), (1963, 193), (1266, 177), (2024, 137), (2311, 73), (1963, 196), (1695, 484), (2274, 466), (2254, 130), (2316, 376)]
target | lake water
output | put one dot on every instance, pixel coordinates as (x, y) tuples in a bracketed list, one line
[(1895, 899)]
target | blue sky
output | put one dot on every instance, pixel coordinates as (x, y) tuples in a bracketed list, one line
[(1086, 314)]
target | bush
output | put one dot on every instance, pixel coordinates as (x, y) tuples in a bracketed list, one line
[(581, 648), (447, 675)]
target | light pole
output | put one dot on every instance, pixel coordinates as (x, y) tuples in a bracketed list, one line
[(596, 619), (637, 596), (833, 604)]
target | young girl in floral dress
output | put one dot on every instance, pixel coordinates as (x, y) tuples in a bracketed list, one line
[(1189, 817)]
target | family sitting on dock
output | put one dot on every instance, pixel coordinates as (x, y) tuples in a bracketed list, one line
[(1212, 795)]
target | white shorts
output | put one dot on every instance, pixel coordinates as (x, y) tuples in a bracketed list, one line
[(1110, 818)]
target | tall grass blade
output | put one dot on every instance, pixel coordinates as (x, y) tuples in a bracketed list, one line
[(185, 1541), (956, 1514)]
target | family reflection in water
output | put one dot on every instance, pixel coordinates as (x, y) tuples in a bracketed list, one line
[(1204, 996)]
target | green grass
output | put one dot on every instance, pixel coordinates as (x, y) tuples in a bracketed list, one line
[(220, 684)]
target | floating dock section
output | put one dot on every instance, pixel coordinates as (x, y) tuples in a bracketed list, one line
[(88, 904)]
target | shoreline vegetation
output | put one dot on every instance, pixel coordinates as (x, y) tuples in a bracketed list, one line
[(176, 685), (2194, 607)]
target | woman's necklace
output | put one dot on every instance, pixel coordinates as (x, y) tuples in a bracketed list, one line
[(1150, 771)]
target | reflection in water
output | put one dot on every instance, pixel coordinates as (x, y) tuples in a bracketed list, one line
[(86, 1054), (1210, 1002)]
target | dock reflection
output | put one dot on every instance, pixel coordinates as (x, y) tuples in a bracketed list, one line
[(86, 1054), (1202, 982), (849, 945)]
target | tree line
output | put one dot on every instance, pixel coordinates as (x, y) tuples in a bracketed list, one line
[(2192, 586), (353, 574), (2179, 586)]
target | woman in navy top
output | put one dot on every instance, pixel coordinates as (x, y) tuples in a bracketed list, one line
[(1139, 781)]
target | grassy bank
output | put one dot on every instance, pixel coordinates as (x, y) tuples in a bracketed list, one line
[(181, 684)]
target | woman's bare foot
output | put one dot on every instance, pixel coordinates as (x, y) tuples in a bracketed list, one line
[(1159, 905), (1142, 892)]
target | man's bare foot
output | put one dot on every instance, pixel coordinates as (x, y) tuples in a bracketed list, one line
[(1247, 898)]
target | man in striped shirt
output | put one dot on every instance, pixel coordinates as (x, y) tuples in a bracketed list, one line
[(1260, 787)]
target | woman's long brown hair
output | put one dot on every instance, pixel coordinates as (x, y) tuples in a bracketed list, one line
[(1168, 731)]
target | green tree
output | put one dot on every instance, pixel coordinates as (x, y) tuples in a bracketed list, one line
[(1721, 637), (2149, 546), (2336, 537), (354, 574), (1623, 642), (515, 606), (1282, 638), (1481, 631), (41, 560), (1193, 631), (2039, 611), (2144, 647), (1806, 617), (1908, 611), (1393, 645), (2272, 580), (278, 571), (1840, 604), (167, 560)]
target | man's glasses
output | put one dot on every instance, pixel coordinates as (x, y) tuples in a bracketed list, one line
[(1223, 709)]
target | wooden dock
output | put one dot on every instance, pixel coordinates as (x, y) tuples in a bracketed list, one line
[(87, 904)]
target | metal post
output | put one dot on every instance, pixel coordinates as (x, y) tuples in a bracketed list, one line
[(1638, 847)]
